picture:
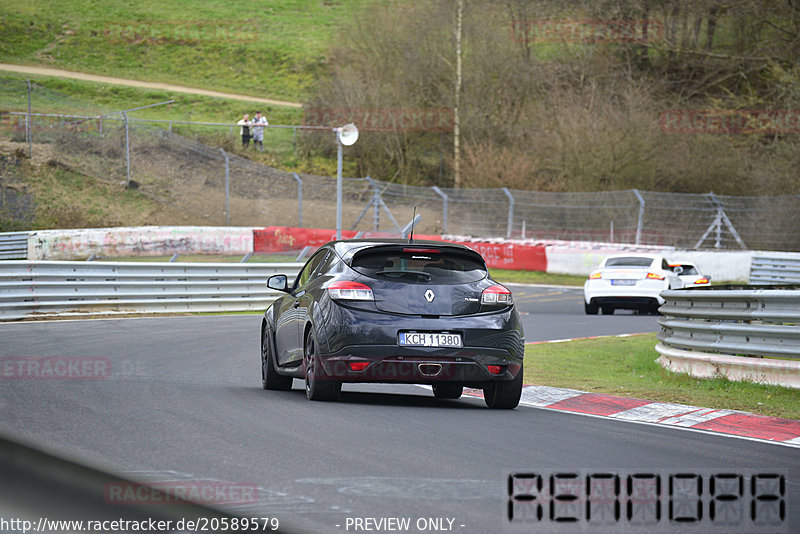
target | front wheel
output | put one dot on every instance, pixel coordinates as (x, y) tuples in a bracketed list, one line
[(270, 379), (318, 386), (504, 395)]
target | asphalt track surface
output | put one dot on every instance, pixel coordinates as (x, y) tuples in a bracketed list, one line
[(184, 402)]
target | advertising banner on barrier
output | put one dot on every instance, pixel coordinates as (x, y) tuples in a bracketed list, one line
[(498, 255)]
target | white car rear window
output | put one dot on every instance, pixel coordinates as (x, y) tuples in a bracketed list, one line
[(631, 261)]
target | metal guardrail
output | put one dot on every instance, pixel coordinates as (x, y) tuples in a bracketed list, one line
[(752, 322), (46, 288), (775, 269), (745, 333), (13, 245)]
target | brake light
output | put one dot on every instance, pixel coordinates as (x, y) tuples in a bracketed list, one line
[(348, 290), (358, 366), (654, 276), (701, 281), (595, 276), (497, 294), (422, 250)]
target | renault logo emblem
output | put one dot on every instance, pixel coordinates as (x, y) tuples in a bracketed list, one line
[(429, 296)]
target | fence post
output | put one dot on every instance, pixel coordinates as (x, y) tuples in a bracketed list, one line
[(444, 207), (127, 152), (510, 211), (299, 199), (28, 133), (227, 186), (376, 209), (641, 216)]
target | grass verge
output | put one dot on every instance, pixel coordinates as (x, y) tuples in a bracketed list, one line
[(627, 367), (536, 277)]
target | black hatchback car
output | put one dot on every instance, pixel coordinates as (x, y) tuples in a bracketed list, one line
[(421, 312)]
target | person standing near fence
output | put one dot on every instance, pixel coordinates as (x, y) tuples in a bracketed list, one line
[(259, 121), (245, 130)]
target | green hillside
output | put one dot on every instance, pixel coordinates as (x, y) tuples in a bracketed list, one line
[(273, 48)]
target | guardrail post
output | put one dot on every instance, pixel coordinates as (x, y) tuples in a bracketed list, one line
[(510, 211), (640, 223), (127, 152), (227, 186), (444, 207), (299, 199)]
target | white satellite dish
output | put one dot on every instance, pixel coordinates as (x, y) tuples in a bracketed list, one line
[(347, 134)]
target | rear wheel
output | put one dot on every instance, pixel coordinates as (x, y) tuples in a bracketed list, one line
[(447, 391), (270, 379), (607, 310), (591, 309), (318, 386), (504, 395)]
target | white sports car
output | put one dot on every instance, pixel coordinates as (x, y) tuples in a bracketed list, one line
[(689, 274), (629, 281)]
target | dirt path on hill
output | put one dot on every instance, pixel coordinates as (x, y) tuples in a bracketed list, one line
[(48, 71)]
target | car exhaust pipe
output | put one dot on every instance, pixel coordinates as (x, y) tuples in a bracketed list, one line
[(430, 369)]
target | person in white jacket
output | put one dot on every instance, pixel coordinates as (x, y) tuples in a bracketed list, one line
[(259, 121), (245, 130)]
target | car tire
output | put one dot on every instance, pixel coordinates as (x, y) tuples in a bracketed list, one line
[(270, 379), (503, 395), (447, 390), (318, 386), (607, 310), (591, 309)]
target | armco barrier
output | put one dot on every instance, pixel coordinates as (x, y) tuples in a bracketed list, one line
[(13, 245), (727, 331), (775, 268), (139, 241), (47, 288)]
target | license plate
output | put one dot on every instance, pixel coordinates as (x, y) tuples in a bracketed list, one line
[(427, 339), (623, 282)]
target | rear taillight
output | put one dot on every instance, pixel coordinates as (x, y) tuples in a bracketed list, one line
[(701, 281), (497, 295), (346, 290), (654, 276), (595, 276)]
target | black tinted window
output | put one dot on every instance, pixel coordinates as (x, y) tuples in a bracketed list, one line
[(632, 261), (419, 265)]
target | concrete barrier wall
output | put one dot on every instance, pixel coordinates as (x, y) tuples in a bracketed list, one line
[(139, 241), (558, 257)]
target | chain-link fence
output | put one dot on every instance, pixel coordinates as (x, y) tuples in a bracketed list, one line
[(189, 177)]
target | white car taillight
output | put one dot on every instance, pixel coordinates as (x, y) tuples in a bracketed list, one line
[(497, 295), (347, 290)]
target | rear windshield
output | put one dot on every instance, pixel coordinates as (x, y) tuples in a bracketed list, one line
[(688, 270), (632, 261), (419, 265)]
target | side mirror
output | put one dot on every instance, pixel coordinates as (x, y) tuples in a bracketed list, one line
[(278, 282)]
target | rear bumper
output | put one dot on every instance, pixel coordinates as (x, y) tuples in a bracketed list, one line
[(469, 366), (354, 335), (598, 292), (627, 303)]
